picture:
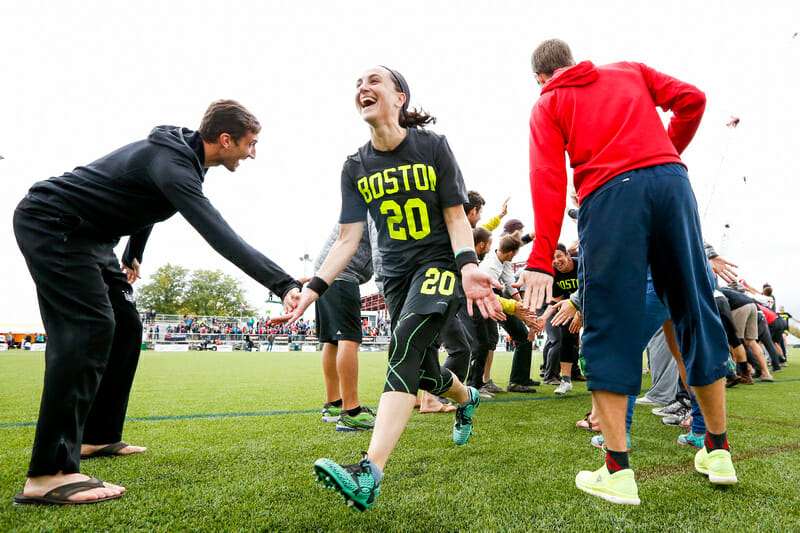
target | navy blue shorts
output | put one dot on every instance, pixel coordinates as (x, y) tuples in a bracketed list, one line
[(645, 216)]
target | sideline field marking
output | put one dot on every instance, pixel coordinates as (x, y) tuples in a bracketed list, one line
[(312, 411), (278, 413)]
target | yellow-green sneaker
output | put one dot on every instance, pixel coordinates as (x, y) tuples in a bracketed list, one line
[(330, 413), (619, 487), (364, 420), (717, 465)]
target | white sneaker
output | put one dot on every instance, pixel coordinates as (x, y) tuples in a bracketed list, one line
[(644, 400), (564, 388)]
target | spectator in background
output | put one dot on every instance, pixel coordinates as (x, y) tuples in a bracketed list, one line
[(745, 317), (562, 344), (498, 265)]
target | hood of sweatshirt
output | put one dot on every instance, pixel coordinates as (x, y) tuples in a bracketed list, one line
[(584, 73), (182, 140)]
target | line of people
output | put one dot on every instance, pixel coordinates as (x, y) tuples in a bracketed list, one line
[(637, 222)]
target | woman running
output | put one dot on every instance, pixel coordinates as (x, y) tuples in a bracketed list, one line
[(407, 179)]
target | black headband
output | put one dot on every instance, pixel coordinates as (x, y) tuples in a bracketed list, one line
[(401, 81)]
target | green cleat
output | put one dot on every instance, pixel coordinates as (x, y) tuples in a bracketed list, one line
[(355, 482), (462, 428), (619, 487), (717, 465), (330, 413), (363, 421)]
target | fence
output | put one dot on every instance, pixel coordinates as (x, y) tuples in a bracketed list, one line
[(239, 341)]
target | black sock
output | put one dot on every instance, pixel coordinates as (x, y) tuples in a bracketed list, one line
[(354, 411), (568, 379), (337, 403), (743, 368), (716, 442), (616, 461)]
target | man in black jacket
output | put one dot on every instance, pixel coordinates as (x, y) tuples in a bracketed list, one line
[(66, 228)]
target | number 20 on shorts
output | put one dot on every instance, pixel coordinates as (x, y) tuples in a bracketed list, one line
[(436, 281)]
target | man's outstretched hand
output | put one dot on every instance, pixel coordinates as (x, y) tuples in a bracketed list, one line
[(302, 300), (538, 288)]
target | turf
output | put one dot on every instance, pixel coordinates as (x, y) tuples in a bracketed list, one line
[(232, 438)]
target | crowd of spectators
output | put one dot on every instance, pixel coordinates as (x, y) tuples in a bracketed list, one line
[(21, 342), (235, 327)]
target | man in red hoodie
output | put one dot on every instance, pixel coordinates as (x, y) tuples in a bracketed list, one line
[(637, 209)]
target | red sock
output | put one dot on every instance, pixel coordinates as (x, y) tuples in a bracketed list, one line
[(616, 461), (717, 442)]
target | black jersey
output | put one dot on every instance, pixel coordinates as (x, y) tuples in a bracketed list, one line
[(565, 283), (405, 190)]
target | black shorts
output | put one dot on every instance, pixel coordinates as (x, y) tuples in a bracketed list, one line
[(430, 289), (776, 329), (339, 313), (420, 306)]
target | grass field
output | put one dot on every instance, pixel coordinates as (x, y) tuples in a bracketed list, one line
[(232, 438)]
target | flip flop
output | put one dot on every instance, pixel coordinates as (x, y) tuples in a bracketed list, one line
[(586, 424), (107, 451), (60, 495)]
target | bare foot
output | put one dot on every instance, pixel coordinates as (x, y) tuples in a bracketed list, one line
[(88, 449), (430, 404), (41, 485)]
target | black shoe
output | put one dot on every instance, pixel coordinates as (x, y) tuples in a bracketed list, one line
[(516, 387), (532, 383)]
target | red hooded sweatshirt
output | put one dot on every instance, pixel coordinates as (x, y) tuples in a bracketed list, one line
[(605, 118)]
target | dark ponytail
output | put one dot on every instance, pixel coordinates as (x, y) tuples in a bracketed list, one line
[(409, 118), (416, 118)]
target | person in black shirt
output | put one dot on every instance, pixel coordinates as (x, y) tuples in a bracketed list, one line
[(409, 182), (562, 345), (66, 228)]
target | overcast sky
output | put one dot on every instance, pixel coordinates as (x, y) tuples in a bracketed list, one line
[(80, 79)]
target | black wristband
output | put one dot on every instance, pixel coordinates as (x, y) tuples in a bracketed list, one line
[(464, 258), (318, 285)]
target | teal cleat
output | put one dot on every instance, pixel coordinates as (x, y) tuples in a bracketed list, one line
[(355, 482), (692, 439), (462, 428)]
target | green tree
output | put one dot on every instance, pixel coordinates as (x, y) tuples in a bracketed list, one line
[(166, 290), (211, 292)]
